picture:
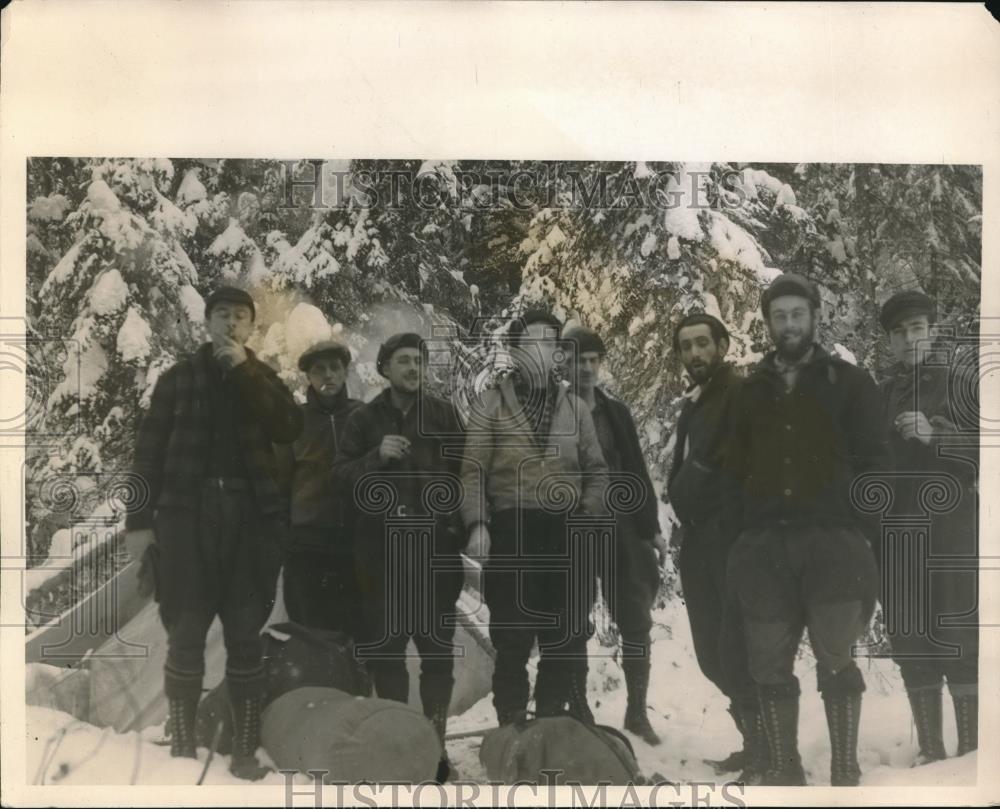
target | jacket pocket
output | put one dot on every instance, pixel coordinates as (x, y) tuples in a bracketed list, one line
[(690, 492)]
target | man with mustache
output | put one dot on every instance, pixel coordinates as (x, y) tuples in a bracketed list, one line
[(531, 456), (630, 586), (399, 451), (696, 487), (805, 424), (319, 575), (215, 516), (931, 413)]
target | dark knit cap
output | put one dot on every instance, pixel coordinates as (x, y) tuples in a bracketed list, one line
[(403, 340), (585, 340), (229, 295), (906, 304), (789, 283), (325, 348)]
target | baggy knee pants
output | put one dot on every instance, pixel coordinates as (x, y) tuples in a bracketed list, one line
[(791, 579), (220, 558)]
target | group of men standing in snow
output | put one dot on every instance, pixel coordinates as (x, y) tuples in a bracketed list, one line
[(770, 479), (369, 506)]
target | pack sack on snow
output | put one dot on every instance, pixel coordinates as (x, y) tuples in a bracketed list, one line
[(294, 656), (350, 739), (574, 751)]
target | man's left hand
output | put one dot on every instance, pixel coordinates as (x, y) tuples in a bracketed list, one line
[(914, 424)]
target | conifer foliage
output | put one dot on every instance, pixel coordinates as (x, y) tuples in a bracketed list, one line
[(122, 252)]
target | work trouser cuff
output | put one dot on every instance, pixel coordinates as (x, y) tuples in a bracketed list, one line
[(785, 690), (245, 684), (848, 680), (930, 686), (963, 689), (180, 684)]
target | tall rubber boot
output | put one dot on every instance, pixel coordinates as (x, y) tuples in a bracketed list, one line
[(392, 680), (966, 721), (637, 685), (925, 704), (578, 705), (435, 695), (843, 717), (246, 739), (181, 724), (780, 715), (552, 687), (755, 750)]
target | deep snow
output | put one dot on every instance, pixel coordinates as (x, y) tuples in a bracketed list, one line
[(686, 710)]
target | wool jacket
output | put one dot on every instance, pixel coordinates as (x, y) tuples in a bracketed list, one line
[(695, 483), (948, 398), (436, 441), (506, 466), (172, 447), (644, 523), (305, 464), (935, 499), (794, 456)]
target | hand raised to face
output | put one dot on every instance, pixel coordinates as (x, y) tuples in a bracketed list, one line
[(229, 353)]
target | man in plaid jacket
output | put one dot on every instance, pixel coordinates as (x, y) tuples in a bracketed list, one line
[(214, 516)]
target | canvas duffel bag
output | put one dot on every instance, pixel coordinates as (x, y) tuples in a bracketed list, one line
[(294, 656), (573, 751), (350, 739)]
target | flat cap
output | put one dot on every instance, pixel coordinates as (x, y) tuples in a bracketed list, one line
[(789, 283), (906, 304), (407, 339), (324, 348), (229, 295)]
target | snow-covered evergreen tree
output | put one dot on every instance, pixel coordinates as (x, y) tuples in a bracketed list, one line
[(122, 252), (123, 297)]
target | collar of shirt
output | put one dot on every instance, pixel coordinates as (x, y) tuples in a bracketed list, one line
[(316, 401), (785, 367), (693, 394), (789, 371)]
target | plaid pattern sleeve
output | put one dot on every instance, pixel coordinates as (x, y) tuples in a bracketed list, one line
[(151, 448)]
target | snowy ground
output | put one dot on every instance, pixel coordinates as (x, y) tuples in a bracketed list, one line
[(686, 711), (690, 716)]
